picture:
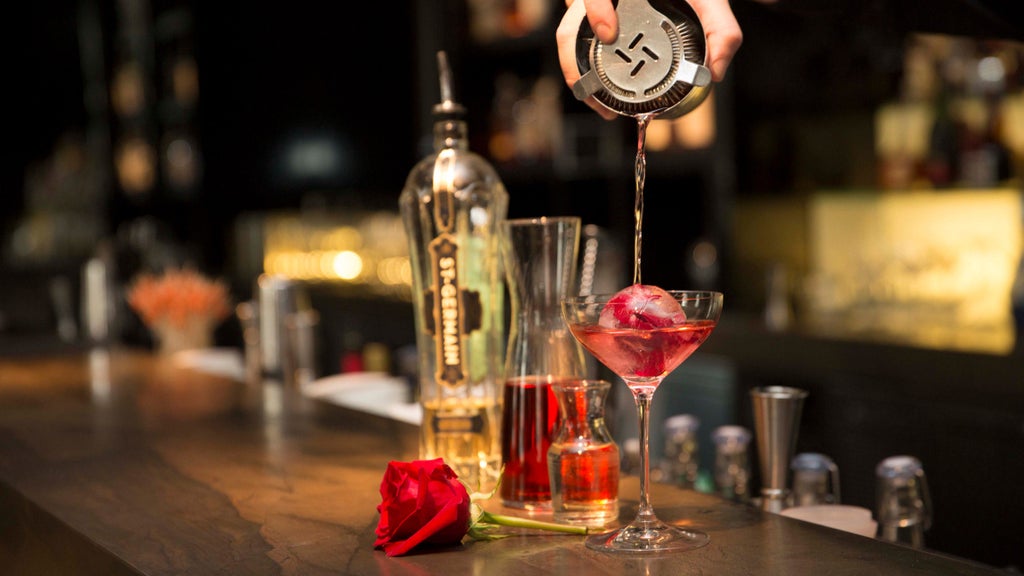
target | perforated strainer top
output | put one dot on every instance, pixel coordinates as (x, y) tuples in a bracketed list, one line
[(655, 66)]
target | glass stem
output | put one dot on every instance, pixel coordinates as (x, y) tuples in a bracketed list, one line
[(643, 411)]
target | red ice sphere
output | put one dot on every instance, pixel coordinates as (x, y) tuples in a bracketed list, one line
[(642, 307)]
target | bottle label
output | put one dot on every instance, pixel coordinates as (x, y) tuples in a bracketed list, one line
[(453, 312), (457, 425), (447, 312)]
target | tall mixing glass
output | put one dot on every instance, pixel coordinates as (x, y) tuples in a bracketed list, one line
[(642, 334)]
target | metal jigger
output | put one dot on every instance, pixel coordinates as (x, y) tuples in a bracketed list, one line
[(776, 422)]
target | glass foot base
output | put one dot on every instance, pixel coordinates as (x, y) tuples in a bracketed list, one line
[(648, 538)]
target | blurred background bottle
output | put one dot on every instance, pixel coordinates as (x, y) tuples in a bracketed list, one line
[(815, 480), (904, 508), (732, 462), (681, 462)]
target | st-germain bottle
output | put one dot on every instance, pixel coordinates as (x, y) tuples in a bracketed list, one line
[(452, 204)]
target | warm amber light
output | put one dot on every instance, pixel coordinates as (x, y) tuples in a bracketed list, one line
[(348, 265), (934, 269), (659, 135), (697, 129), (364, 251), (135, 161)]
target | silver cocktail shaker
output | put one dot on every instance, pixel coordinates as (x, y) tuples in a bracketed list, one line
[(657, 65)]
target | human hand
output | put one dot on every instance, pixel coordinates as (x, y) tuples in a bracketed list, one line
[(720, 27)]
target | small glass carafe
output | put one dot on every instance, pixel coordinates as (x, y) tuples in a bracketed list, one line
[(583, 459)]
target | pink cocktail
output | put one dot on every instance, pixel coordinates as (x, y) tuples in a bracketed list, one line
[(643, 357), (642, 334)]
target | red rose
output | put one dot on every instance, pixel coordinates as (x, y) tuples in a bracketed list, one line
[(422, 502)]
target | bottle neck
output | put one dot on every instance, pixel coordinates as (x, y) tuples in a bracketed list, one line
[(451, 133)]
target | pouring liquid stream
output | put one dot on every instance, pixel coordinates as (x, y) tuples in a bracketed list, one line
[(639, 177)]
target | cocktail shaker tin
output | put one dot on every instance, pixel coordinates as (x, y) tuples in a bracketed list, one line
[(657, 65)]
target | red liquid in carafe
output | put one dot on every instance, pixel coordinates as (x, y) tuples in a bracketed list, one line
[(529, 423)]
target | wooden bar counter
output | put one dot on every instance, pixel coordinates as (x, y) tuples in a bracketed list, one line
[(120, 462)]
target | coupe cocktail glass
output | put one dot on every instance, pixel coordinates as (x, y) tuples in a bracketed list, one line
[(643, 355)]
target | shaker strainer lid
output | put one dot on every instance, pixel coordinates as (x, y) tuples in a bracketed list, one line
[(655, 65)]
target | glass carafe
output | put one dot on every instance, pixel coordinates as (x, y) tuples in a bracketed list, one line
[(540, 265), (583, 459)]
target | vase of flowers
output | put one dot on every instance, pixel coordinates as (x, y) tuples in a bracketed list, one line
[(180, 307)]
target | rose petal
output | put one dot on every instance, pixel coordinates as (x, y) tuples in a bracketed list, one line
[(444, 518)]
